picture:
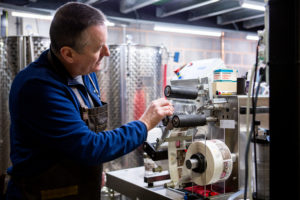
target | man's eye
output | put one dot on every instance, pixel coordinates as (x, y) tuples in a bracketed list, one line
[(98, 49)]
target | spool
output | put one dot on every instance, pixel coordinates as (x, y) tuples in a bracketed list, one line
[(180, 92), (218, 162)]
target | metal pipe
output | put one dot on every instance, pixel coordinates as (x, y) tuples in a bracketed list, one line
[(31, 50), (222, 47), (124, 33), (191, 163), (234, 157)]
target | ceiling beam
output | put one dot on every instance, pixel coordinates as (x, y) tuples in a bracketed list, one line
[(127, 6), (254, 23), (90, 2), (164, 11), (238, 16), (215, 9), (24, 9)]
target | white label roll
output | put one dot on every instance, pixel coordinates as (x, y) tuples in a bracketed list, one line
[(218, 159)]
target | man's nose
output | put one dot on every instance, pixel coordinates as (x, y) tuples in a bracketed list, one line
[(106, 51)]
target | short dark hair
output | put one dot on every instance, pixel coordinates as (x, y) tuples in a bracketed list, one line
[(69, 22)]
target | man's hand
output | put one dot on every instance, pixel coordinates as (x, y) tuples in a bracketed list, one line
[(157, 110)]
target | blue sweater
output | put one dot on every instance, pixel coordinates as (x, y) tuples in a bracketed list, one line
[(46, 125)]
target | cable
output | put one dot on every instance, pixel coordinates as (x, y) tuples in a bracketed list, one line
[(247, 121), (252, 132), (253, 124), (254, 101), (254, 104)]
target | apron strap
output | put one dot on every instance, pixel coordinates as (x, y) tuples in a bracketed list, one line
[(98, 93), (80, 99)]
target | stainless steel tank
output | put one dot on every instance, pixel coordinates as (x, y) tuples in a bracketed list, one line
[(129, 80), (15, 53)]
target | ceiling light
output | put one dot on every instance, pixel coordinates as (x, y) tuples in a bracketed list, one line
[(108, 23), (188, 31), (254, 6), (31, 15), (252, 37)]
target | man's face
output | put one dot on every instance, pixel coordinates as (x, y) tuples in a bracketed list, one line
[(88, 59)]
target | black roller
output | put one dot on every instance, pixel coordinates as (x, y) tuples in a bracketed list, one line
[(188, 120), (181, 92), (165, 120)]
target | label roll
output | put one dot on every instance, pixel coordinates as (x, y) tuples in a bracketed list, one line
[(188, 120), (218, 162), (180, 92)]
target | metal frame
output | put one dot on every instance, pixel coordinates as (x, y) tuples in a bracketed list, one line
[(163, 11), (238, 16), (127, 6), (254, 23), (130, 182), (214, 10)]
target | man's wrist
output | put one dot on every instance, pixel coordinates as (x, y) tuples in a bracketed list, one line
[(146, 124)]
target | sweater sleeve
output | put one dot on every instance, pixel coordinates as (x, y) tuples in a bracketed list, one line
[(52, 121)]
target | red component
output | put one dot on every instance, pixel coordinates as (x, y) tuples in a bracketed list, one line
[(200, 190), (176, 70), (180, 68), (139, 103), (178, 144)]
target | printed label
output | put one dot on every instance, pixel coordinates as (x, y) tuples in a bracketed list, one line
[(227, 124)]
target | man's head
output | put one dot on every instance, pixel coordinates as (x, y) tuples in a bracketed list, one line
[(78, 36)]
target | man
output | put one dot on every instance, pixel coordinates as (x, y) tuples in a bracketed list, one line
[(58, 137)]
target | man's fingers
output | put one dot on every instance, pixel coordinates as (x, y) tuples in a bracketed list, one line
[(168, 110), (163, 102), (157, 111)]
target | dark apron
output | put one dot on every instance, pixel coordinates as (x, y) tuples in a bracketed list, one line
[(69, 180)]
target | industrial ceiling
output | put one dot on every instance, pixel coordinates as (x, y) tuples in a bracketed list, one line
[(224, 14)]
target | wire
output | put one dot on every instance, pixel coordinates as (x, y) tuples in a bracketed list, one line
[(253, 125), (254, 101), (252, 131), (247, 118)]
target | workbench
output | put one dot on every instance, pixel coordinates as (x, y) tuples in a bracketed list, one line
[(130, 182)]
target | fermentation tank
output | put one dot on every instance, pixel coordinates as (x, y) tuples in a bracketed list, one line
[(129, 80), (15, 53)]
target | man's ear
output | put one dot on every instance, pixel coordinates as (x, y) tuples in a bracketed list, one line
[(68, 54)]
